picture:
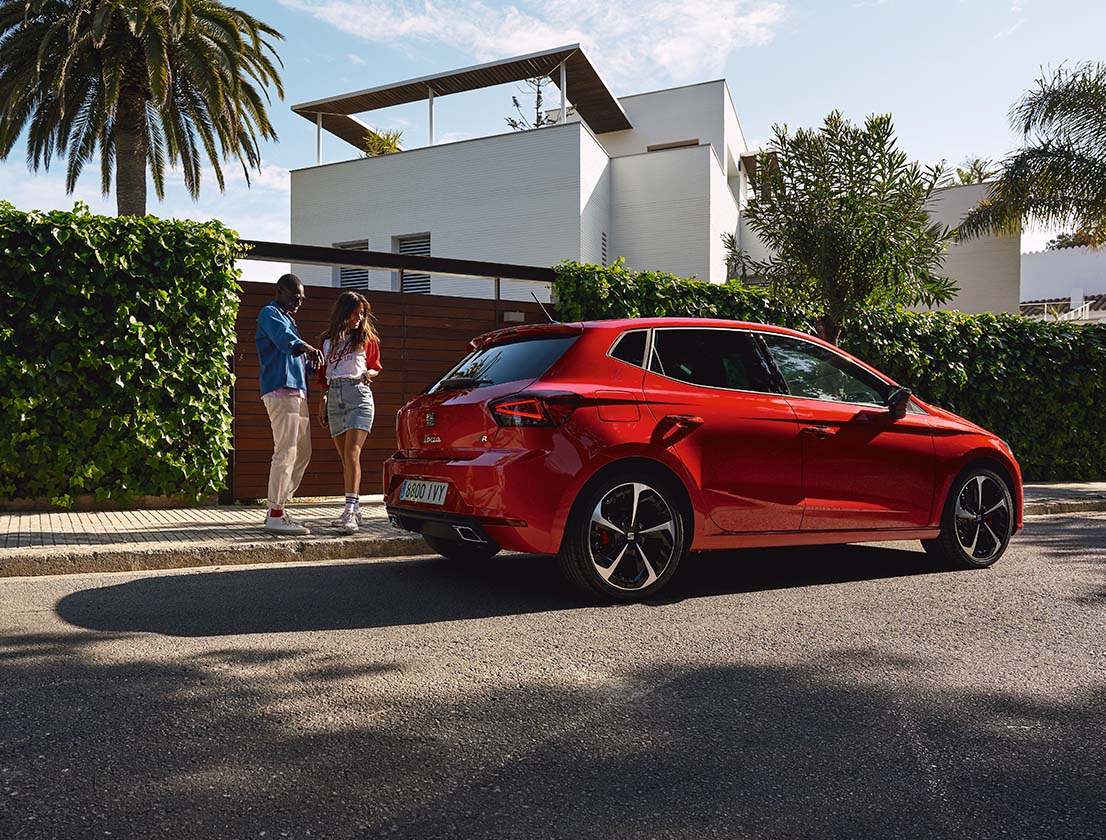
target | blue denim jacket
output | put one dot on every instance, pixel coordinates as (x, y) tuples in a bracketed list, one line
[(276, 337)]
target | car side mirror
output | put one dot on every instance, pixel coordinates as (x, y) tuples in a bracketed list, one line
[(897, 401)]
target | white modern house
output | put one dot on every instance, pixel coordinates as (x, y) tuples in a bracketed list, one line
[(656, 178)]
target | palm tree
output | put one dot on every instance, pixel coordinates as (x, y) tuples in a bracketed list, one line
[(138, 83), (1059, 177)]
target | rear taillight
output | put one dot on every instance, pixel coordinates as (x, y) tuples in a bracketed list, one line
[(538, 408)]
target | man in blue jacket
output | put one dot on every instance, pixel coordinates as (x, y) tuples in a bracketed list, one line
[(284, 391)]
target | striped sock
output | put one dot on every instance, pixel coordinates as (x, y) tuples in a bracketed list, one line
[(351, 502)]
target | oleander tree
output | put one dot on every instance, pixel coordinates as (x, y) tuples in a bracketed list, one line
[(1058, 177), (139, 85), (843, 216)]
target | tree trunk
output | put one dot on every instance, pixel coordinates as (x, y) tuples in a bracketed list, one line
[(130, 154), (829, 328)]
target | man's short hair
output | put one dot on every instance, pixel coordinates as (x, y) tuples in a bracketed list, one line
[(289, 281)]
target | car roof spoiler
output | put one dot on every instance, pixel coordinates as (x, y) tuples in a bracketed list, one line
[(524, 332)]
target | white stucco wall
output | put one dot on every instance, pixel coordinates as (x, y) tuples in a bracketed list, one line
[(510, 198), (669, 116), (595, 200), (987, 269), (660, 210), (1054, 274), (723, 219)]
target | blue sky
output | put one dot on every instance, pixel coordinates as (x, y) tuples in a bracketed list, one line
[(947, 70)]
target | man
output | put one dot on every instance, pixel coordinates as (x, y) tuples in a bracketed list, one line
[(284, 391)]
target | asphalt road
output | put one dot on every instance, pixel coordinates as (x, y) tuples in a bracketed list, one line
[(853, 692)]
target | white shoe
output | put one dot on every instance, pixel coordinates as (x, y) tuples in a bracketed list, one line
[(285, 526), (347, 522)]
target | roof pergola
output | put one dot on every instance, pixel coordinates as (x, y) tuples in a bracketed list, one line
[(567, 66)]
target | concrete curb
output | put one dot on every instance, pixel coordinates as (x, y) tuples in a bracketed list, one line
[(1051, 507), (52, 561)]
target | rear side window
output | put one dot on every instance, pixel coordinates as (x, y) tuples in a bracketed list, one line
[(509, 362), (710, 358), (630, 348)]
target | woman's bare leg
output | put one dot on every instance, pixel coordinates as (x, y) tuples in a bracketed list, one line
[(351, 460)]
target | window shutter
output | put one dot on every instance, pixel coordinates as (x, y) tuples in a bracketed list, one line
[(353, 278), (415, 246)]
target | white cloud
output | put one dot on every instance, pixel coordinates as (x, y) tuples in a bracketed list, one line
[(633, 43), (353, 58)]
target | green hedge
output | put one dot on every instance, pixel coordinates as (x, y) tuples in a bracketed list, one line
[(1039, 385), (115, 338)]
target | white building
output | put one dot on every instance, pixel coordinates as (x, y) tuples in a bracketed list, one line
[(656, 178)]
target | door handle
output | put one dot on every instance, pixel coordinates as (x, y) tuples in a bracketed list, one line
[(684, 421), (820, 432)]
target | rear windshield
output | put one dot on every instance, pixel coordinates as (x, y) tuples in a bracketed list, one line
[(509, 362)]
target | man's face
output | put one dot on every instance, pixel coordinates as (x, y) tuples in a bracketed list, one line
[(290, 297)]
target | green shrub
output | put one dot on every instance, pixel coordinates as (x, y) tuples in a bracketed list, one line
[(595, 292), (1041, 386), (115, 337)]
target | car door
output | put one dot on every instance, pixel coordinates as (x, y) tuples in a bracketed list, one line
[(862, 468), (710, 391)]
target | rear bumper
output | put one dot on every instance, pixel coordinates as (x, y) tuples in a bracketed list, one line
[(445, 526), (518, 499)]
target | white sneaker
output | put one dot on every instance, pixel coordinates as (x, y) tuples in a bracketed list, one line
[(285, 526), (360, 521), (347, 522)]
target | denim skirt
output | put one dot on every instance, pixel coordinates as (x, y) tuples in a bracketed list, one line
[(349, 405)]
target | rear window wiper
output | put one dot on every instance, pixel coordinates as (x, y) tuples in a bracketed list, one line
[(458, 382)]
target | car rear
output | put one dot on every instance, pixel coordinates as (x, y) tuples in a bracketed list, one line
[(477, 457)]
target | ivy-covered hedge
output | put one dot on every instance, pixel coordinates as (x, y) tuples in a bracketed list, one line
[(115, 338), (1039, 385)]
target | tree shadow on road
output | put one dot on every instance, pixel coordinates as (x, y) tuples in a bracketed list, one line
[(851, 745), (408, 592)]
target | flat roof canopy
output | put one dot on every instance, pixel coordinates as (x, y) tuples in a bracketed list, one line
[(593, 102)]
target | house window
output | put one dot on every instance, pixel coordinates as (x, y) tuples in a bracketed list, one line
[(417, 245), (352, 278), (603, 246)]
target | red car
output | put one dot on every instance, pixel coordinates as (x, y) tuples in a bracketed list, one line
[(620, 446)]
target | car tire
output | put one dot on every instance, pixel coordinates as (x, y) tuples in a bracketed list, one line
[(624, 538), (977, 521), (464, 552)]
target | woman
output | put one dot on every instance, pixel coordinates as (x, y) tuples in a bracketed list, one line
[(351, 360)]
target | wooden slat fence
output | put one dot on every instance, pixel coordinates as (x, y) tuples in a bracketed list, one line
[(422, 336)]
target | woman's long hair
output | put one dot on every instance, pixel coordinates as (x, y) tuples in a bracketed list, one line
[(342, 339)]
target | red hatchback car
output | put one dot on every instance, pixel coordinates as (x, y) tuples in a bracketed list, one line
[(620, 446)]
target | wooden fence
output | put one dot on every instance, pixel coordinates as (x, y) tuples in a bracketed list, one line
[(421, 337)]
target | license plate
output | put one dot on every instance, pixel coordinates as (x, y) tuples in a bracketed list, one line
[(426, 492)]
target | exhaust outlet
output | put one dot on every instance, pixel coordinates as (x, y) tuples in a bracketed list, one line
[(467, 534)]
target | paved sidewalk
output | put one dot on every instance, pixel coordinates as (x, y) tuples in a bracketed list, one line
[(63, 543)]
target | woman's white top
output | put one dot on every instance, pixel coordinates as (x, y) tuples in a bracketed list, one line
[(346, 363)]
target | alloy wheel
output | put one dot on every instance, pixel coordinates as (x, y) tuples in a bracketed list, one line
[(982, 517), (632, 536)]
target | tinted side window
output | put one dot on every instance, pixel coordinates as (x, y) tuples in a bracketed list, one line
[(630, 347), (711, 358), (813, 371), (511, 362)]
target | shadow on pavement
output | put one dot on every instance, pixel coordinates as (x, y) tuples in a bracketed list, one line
[(842, 746), (422, 591)]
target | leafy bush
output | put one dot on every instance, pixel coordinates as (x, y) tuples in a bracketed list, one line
[(1039, 385), (595, 292), (114, 343)]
